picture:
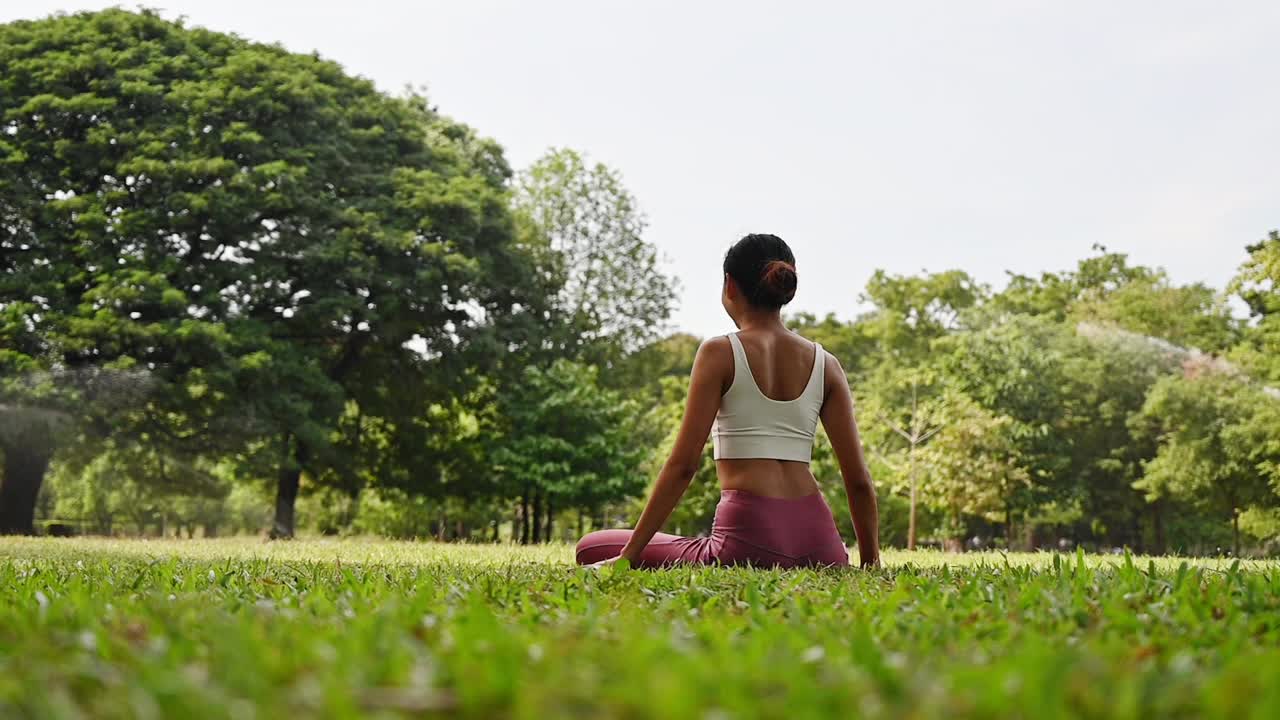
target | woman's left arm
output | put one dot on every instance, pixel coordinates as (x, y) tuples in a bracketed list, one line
[(712, 364)]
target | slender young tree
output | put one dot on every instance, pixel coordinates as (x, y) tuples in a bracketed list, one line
[(920, 425), (586, 233)]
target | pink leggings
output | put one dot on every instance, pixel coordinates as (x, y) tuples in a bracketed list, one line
[(748, 530)]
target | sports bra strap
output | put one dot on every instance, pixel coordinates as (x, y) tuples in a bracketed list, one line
[(819, 369), (739, 353)]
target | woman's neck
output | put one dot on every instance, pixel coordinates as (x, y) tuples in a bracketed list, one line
[(767, 320)]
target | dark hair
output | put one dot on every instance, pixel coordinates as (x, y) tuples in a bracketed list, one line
[(764, 269)]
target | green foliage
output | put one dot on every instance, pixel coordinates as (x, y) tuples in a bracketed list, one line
[(223, 629), (912, 312), (565, 439), (1218, 439), (1017, 369), (1261, 523), (853, 344), (585, 234), (1056, 294), (139, 490), (1061, 363), (1258, 284), (671, 356), (1191, 316), (971, 467), (394, 514)]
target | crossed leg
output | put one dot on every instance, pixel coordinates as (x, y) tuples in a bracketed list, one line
[(663, 550)]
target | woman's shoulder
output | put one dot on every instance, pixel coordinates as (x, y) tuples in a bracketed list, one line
[(716, 346), (713, 362)]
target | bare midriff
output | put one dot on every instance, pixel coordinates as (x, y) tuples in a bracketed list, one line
[(768, 478)]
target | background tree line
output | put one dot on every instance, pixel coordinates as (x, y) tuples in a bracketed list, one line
[(241, 290)]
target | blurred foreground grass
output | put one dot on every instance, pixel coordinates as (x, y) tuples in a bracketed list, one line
[(239, 628)]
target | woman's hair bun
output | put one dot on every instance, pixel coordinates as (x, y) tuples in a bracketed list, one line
[(779, 281), (764, 269)]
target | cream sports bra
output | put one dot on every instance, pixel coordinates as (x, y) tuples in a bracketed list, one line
[(750, 425)]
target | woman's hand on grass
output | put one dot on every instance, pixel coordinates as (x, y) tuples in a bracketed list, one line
[(607, 563)]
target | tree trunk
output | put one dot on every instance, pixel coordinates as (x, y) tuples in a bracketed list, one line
[(1157, 511), (139, 520), (536, 532), (24, 470), (287, 485), (524, 517), (1235, 532), (911, 478), (353, 509), (550, 513), (286, 497), (1008, 524), (951, 543), (1140, 529), (911, 517)]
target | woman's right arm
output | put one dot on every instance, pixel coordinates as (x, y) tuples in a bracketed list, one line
[(712, 364), (842, 430)]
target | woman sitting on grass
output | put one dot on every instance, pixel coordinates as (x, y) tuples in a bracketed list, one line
[(765, 388)]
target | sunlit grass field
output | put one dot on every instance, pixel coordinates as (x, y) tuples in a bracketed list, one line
[(239, 628)]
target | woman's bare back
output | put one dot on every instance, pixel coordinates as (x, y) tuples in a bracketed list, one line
[(780, 363)]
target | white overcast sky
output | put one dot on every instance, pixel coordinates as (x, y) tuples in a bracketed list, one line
[(984, 135)]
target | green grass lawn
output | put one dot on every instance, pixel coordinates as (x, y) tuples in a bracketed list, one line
[(241, 628)]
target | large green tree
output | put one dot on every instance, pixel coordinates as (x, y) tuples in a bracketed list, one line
[(250, 225)]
